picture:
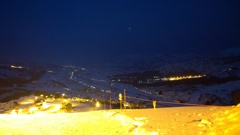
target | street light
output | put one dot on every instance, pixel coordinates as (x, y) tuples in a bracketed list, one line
[(63, 100), (97, 104)]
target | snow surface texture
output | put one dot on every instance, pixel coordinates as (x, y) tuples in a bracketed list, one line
[(209, 120)]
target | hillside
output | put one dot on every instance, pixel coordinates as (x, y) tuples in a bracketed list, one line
[(173, 78), (171, 81)]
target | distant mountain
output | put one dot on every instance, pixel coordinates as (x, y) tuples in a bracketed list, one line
[(231, 52), (169, 65)]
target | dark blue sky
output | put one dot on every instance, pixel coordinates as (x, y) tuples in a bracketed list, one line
[(86, 30)]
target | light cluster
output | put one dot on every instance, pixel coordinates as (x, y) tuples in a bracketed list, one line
[(182, 77)]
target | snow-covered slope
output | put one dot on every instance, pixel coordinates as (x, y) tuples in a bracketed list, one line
[(71, 80), (175, 120), (221, 79), (218, 86)]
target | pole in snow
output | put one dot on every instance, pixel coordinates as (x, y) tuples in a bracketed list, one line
[(154, 104), (110, 103), (124, 102), (120, 99)]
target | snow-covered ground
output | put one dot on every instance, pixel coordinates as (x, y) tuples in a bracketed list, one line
[(95, 83), (212, 120)]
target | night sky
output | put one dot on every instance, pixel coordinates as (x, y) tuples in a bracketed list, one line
[(58, 31)]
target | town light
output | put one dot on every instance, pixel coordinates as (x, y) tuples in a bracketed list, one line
[(20, 111), (57, 107), (33, 109), (97, 104), (13, 112), (182, 77)]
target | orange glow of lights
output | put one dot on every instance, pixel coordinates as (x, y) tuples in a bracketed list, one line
[(33, 109), (20, 111), (12, 66), (45, 105), (182, 77), (13, 112), (57, 107), (97, 104)]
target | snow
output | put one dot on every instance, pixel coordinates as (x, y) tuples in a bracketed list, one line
[(94, 83), (182, 120), (161, 121)]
